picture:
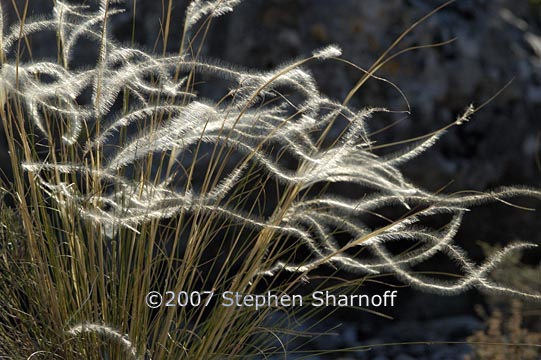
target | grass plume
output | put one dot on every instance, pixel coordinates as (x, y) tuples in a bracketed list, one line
[(145, 184)]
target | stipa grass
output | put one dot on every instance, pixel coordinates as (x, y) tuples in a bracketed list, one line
[(147, 185)]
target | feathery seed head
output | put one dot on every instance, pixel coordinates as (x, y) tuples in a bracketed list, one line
[(260, 111)]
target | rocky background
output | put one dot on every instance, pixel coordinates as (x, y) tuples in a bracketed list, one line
[(497, 45)]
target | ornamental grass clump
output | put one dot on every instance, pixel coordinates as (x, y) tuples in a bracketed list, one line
[(127, 180)]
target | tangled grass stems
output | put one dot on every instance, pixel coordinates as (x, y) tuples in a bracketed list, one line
[(173, 191)]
